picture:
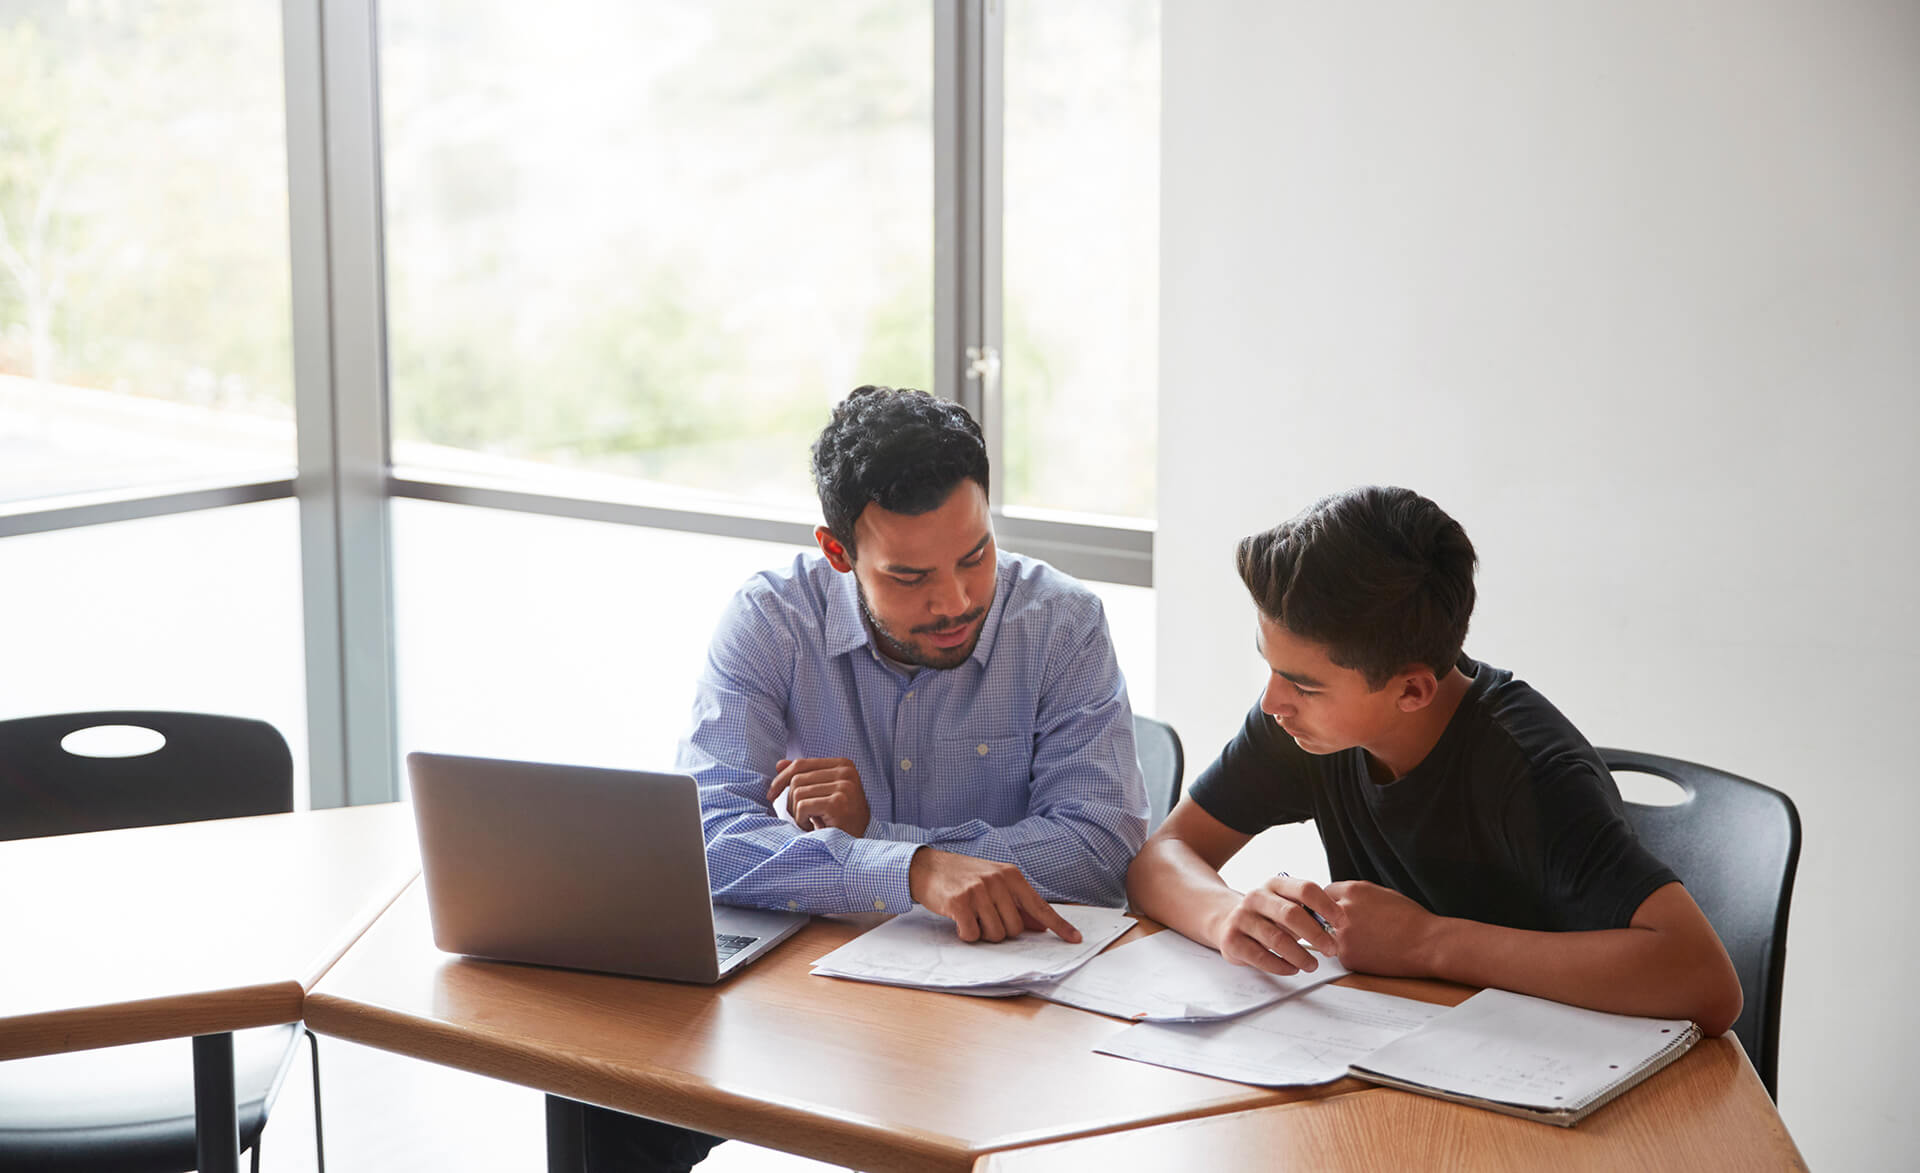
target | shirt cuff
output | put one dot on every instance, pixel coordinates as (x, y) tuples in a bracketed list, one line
[(895, 832), (876, 875)]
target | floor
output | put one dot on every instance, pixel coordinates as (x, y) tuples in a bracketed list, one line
[(389, 1113)]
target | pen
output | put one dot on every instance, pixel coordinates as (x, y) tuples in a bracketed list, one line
[(1310, 912)]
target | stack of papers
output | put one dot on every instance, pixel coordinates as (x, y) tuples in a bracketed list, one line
[(1310, 1038), (920, 949), (1528, 1056)]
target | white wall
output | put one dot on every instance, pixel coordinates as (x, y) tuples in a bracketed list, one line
[(1633, 290)]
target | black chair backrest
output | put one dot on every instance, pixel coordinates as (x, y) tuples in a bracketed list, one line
[(209, 767), (1735, 844), (1161, 764)]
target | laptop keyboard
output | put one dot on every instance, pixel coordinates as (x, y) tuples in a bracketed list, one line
[(729, 944)]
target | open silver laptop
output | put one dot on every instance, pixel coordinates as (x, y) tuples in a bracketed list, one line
[(579, 867)]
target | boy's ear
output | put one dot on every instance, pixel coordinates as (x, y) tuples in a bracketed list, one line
[(1417, 688), (837, 556)]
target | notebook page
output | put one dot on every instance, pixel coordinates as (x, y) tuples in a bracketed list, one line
[(1498, 1045)]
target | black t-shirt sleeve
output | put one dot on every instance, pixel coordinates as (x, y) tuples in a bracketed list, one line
[(1594, 871), (1260, 779)]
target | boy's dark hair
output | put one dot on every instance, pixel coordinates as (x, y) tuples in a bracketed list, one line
[(901, 450), (1381, 576)]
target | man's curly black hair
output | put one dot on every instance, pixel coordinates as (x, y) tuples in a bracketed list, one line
[(902, 450)]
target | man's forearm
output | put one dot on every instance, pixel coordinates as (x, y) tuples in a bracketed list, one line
[(1172, 884), (1066, 858), (766, 863), (1644, 971)]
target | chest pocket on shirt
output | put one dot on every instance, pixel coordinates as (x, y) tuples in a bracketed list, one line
[(990, 770)]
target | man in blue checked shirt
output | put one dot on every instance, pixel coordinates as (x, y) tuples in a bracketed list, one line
[(946, 724)]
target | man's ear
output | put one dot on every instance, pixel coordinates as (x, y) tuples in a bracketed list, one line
[(1417, 687), (837, 555)]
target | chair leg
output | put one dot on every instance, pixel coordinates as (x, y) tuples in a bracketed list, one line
[(256, 1156), (319, 1142)]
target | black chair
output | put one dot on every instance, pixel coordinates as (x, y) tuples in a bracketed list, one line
[(130, 1109), (1736, 845), (1161, 764)]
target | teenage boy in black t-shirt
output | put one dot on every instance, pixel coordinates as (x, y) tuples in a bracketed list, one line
[(1472, 833)]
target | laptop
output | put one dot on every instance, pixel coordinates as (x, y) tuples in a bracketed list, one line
[(579, 867)]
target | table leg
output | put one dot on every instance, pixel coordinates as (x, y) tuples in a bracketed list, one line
[(566, 1135), (216, 1126)]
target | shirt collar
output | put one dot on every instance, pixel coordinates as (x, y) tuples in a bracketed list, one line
[(847, 629), (1002, 591)]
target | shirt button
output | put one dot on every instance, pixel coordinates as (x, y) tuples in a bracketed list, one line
[(981, 749), (909, 696), (906, 763), (793, 905), (879, 906)]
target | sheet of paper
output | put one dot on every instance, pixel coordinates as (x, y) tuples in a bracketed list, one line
[(919, 948), (1167, 978), (1309, 1038), (1498, 1045)]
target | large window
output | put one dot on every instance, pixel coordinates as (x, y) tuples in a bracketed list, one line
[(146, 364), (535, 309)]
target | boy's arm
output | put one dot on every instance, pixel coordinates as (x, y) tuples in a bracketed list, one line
[(1667, 963), (1176, 880)]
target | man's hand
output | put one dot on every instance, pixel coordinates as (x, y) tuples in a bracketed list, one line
[(1383, 931), (826, 793), (1266, 928), (982, 898)]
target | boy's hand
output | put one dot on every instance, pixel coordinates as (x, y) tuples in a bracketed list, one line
[(1382, 931), (826, 793), (1266, 928)]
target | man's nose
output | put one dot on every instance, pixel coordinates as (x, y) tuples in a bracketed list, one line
[(950, 596)]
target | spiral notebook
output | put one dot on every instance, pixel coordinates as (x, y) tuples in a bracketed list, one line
[(1528, 1057)]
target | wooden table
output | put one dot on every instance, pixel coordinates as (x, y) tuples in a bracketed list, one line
[(193, 929), (1708, 1110), (876, 1077)]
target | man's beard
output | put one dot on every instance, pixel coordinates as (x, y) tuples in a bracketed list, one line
[(896, 649)]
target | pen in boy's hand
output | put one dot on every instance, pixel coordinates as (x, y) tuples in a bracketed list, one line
[(1318, 919)]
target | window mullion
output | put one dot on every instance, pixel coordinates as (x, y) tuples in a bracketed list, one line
[(333, 168)]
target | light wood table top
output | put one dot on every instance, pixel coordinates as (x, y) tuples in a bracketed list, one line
[(189, 929), (876, 1077), (1706, 1111)]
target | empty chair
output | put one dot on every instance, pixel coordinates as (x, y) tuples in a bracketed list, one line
[(130, 1109), (1735, 844), (1161, 764)]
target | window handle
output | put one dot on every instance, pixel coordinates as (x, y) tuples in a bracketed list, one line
[(983, 363)]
